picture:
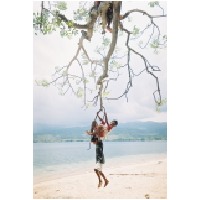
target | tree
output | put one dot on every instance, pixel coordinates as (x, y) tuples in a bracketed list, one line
[(99, 68)]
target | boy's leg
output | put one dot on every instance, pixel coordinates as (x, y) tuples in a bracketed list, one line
[(98, 170), (104, 178), (102, 174), (99, 178), (100, 160)]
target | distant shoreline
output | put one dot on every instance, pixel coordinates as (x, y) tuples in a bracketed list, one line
[(87, 141), (128, 132)]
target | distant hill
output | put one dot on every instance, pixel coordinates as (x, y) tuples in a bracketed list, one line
[(132, 131)]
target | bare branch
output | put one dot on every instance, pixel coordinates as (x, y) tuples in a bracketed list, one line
[(143, 12)]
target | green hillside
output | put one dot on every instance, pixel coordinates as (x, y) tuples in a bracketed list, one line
[(134, 131)]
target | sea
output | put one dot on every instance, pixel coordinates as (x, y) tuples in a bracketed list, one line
[(63, 159)]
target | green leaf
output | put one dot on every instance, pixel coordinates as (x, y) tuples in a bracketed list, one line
[(85, 62), (155, 44), (69, 36), (49, 27), (54, 21), (58, 22), (74, 31), (44, 32), (84, 56), (64, 73), (106, 42), (43, 83), (70, 24), (151, 4), (62, 5), (85, 80), (105, 93), (79, 93), (92, 74), (160, 104), (135, 31), (62, 32)]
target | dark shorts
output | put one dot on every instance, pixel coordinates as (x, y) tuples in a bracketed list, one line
[(99, 152)]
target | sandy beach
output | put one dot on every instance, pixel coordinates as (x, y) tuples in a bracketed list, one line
[(138, 180)]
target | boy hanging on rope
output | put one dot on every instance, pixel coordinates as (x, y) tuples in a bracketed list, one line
[(98, 132)]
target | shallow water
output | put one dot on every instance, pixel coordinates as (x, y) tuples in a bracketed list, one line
[(50, 159)]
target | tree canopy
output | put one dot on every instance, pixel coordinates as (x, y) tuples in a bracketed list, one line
[(113, 46)]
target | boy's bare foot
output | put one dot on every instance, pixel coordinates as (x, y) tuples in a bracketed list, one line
[(100, 183), (106, 182)]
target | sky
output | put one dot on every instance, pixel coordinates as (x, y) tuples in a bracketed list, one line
[(51, 108)]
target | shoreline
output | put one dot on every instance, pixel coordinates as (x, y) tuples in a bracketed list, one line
[(128, 178)]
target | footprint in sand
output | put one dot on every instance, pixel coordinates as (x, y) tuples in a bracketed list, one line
[(128, 188)]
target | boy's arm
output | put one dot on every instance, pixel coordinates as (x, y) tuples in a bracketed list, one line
[(89, 133), (93, 126)]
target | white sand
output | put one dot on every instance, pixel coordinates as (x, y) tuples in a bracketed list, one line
[(135, 180)]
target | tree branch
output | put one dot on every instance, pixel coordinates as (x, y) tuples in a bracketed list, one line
[(75, 25), (143, 12)]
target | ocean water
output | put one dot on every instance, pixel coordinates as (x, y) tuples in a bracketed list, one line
[(69, 158)]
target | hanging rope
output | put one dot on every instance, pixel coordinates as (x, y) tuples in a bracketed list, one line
[(100, 97)]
